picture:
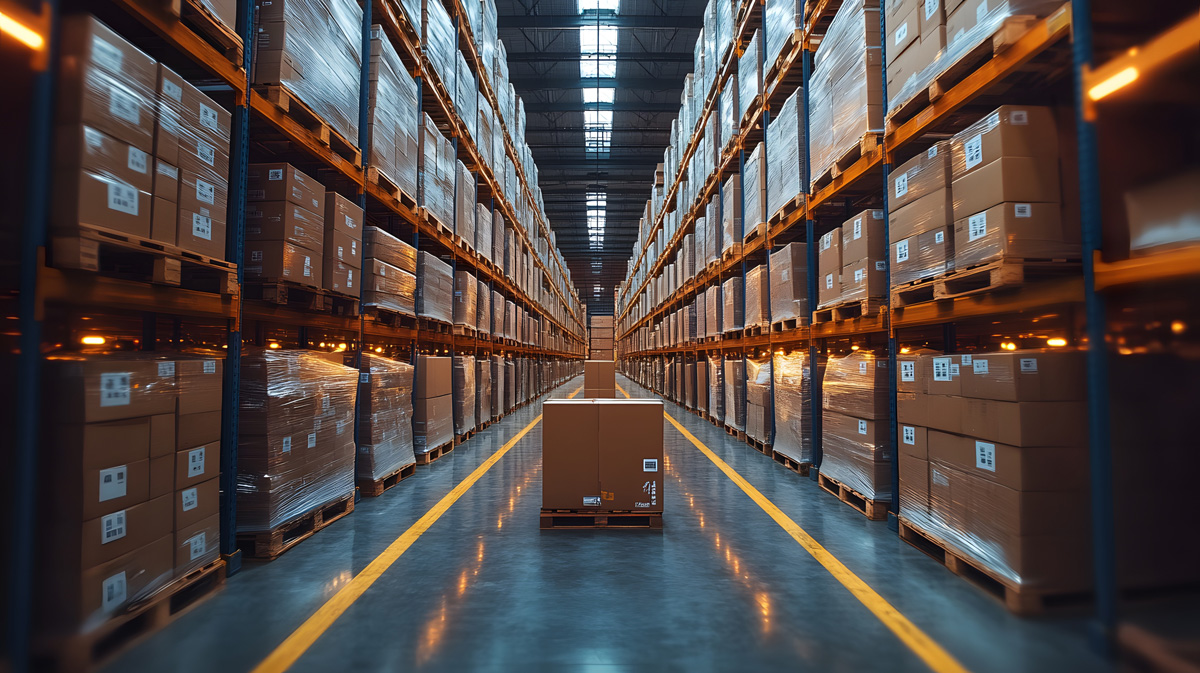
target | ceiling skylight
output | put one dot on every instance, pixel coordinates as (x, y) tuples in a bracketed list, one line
[(599, 95)]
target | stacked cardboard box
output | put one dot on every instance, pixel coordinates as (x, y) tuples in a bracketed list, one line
[(920, 217), (731, 215), (789, 283), (601, 337), (385, 437), (758, 298), (864, 270), (392, 115), (733, 314), (760, 412), (285, 226), (464, 393), (465, 213), (436, 173), (785, 154), (433, 407), (466, 292), (856, 449), (793, 405), (483, 230), (343, 249), (599, 378), (483, 390), (295, 435), (603, 455), (499, 386), (1003, 436), (483, 308), (702, 391), (390, 281), (735, 392), (829, 269), (749, 75), (435, 288), (199, 382)]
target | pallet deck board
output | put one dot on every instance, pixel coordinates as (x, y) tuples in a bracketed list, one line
[(551, 519), (373, 488), (875, 510), (269, 545), (427, 457)]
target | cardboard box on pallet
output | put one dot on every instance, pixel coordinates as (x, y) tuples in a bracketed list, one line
[(283, 182), (760, 412), (284, 221), (385, 430), (829, 268), (379, 244), (101, 181), (433, 413), (855, 424), (342, 244), (280, 260), (464, 394), (599, 378)]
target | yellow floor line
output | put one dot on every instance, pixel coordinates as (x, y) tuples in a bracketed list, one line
[(922, 645), (302, 638)]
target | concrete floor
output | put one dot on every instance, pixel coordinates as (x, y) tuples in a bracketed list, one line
[(721, 588)]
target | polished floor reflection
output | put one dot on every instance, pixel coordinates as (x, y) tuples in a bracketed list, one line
[(721, 588)]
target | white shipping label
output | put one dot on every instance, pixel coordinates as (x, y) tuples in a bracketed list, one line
[(166, 368), (1022, 210), (275, 174), (1029, 365), (931, 6), (981, 12), (931, 152), (902, 251), (122, 198), (115, 389), (862, 427), (307, 266), (858, 275), (210, 366), (349, 278), (197, 545), (649, 465), (881, 266), (205, 192), (206, 152), (966, 359), (941, 369), (138, 161), (985, 456), (909, 435), (317, 425), (189, 499), (980, 366), (112, 527), (901, 184), (195, 463), (312, 440), (114, 483), (92, 137), (829, 281), (862, 368), (339, 427), (172, 90), (1018, 117), (938, 478), (349, 222), (106, 54), (256, 255), (364, 377), (939, 237), (208, 117), (124, 104), (954, 370), (287, 444), (202, 227), (340, 253), (908, 370), (901, 33), (114, 592), (977, 226), (857, 229), (973, 151), (591, 501)]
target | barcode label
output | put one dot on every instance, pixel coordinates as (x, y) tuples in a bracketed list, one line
[(138, 161), (941, 369), (206, 152), (210, 366), (114, 483), (197, 546), (307, 266), (195, 462), (122, 198), (901, 184), (973, 151), (977, 226), (364, 377), (275, 174), (980, 366), (208, 117), (114, 389), (1029, 365), (256, 255), (829, 281), (112, 527), (931, 152), (902, 251), (106, 54), (189, 499), (1022, 210), (939, 237), (985, 456), (287, 444), (858, 275), (901, 33), (113, 592), (908, 370), (166, 368), (931, 6), (205, 192), (124, 104), (312, 440), (201, 226), (349, 222), (857, 229), (966, 359), (862, 368), (172, 90), (909, 434), (649, 465), (1018, 117), (862, 427)]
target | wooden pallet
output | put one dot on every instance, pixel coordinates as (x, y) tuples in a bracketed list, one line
[(714, 420), (279, 96), (999, 274), (387, 316), (269, 545), (875, 510), (1005, 36), (213, 30), (786, 209), (434, 454), (460, 439), (756, 330), (740, 435), (759, 446), (434, 326), (385, 183), (913, 292), (791, 463), (751, 111), (301, 297), (124, 629), (756, 232), (788, 325), (116, 253), (1019, 600), (373, 488), (793, 47), (463, 331), (869, 142), (849, 310), (560, 519)]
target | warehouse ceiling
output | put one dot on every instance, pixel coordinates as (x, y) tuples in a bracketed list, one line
[(601, 81)]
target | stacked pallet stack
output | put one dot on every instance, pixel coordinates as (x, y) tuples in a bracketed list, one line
[(433, 407), (385, 422), (601, 337)]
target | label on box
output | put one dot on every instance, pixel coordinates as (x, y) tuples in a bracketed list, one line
[(312, 440), (857, 229), (340, 254), (256, 255), (931, 152), (195, 462), (124, 105), (981, 12), (206, 152), (307, 267), (202, 227), (977, 226), (862, 427), (908, 370), (591, 501), (1022, 210), (138, 160), (829, 281), (197, 545), (349, 222), (954, 370), (973, 151), (189, 498), (938, 478), (92, 137), (985, 456), (106, 54), (114, 482), (902, 251), (275, 174), (122, 198), (210, 366), (901, 33), (113, 592), (980, 366), (902, 184), (114, 389), (166, 368), (941, 369), (1029, 365), (862, 368), (966, 359), (112, 527), (349, 279), (880, 266), (339, 427), (317, 425), (649, 465), (858, 275), (909, 435), (364, 377), (172, 90), (287, 444), (205, 192), (931, 6), (209, 118), (939, 237), (1018, 118)]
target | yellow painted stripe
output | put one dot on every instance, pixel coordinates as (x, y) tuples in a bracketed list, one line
[(922, 645), (302, 638)]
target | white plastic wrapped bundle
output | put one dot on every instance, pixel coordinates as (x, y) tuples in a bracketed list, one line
[(716, 387), (699, 309), (465, 192), (483, 308), (379, 244), (435, 288), (781, 18), (466, 290), (785, 154), (385, 441), (296, 436), (483, 230), (760, 416), (733, 315), (735, 392), (856, 449), (314, 49), (486, 37), (438, 39), (846, 94), (384, 107), (388, 287), (731, 214), (463, 393), (758, 300), (730, 122), (793, 406), (483, 390), (466, 94), (754, 190), (749, 75), (437, 173)]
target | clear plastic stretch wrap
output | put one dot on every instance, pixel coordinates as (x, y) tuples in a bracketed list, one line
[(314, 48), (466, 290), (435, 288), (438, 39), (392, 114), (856, 450), (713, 309), (499, 386), (466, 95), (483, 308), (921, 221), (733, 315), (730, 122), (464, 204), (483, 390), (785, 154), (793, 406), (749, 75), (483, 230), (846, 94), (385, 439), (754, 190), (716, 387), (379, 244), (387, 287), (498, 238), (487, 37), (735, 393), (497, 315), (295, 435), (781, 18), (760, 414), (758, 300), (731, 213), (700, 311), (789, 283), (464, 393)]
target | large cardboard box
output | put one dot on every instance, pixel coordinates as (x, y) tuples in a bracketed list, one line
[(199, 383), (87, 389), (284, 221), (1026, 423), (280, 260), (343, 216), (1032, 469), (282, 182), (197, 464), (120, 532), (599, 378), (570, 455), (1014, 230), (862, 238), (101, 181), (432, 377), (102, 590), (932, 211), (193, 504), (1009, 131), (863, 279), (914, 440), (631, 454), (197, 545), (1033, 375), (914, 485), (829, 268), (920, 176), (1007, 179)]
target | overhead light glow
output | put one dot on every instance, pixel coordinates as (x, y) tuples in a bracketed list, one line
[(1113, 84), (23, 34), (273, 345), (93, 340), (1056, 341), (599, 95), (586, 6)]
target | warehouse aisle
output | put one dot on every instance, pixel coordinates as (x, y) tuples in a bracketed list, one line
[(723, 587)]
